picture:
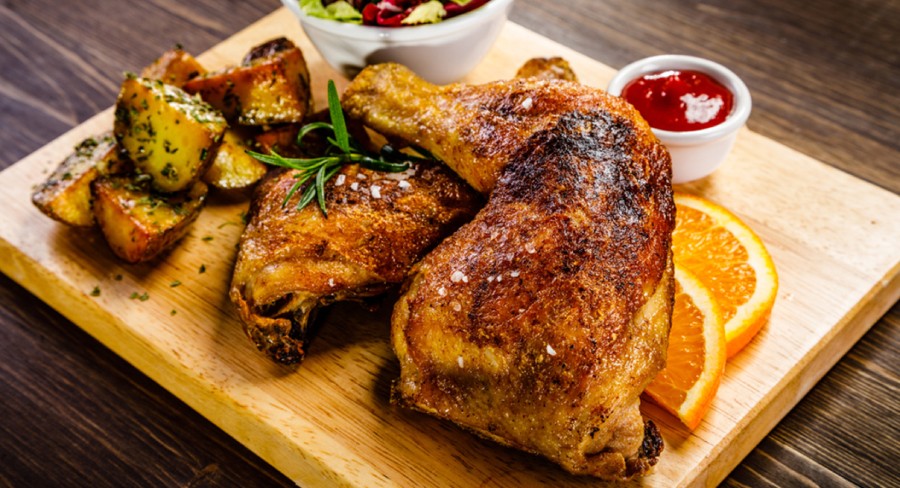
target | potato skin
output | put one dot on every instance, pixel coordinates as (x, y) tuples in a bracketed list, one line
[(139, 223), (168, 134), (270, 87), (232, 168), (66, 195), (173, 67)]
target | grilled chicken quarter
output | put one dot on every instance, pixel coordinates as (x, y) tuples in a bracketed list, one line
[(539, 323), (290, 263)]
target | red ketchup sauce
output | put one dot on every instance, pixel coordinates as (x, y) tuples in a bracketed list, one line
[(679, 100)]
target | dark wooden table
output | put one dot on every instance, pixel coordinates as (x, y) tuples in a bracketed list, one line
[(825, 81)]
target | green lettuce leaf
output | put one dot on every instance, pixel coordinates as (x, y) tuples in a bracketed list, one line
[(426, 13), (344, 12), (341, 11), (313, 8)]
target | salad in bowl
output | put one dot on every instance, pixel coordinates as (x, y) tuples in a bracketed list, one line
[(388, 13), (441, 40)]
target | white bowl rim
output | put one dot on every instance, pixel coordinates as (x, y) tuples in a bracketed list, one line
[(405, 33), (742, 100)]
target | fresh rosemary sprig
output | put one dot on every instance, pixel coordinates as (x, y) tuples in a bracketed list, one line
[(342, 150)]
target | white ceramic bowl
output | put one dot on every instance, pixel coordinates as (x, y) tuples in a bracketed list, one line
[(697, 153), (440, 53)]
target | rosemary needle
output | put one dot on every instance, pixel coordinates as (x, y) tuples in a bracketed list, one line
[(315, 172)]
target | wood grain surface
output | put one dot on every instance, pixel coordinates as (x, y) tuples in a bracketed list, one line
[(74, 414)]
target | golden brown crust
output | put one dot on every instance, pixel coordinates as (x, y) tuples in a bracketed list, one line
[(290, 262), (271, 86), (539, 323), (174, 67), (474, 129), (555, 68)]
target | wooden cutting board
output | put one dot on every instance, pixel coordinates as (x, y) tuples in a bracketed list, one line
[(835, 240)]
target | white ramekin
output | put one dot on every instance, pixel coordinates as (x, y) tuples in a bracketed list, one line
[(697, 153)]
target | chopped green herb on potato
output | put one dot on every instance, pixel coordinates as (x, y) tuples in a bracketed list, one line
[(270, 87), (139, 223), (66, 195), (169, 134)]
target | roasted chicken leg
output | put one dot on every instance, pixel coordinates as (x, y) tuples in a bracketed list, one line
[(539, 323), (291, 262)]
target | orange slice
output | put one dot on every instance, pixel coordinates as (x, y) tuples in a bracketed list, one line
[(695, 359), (730, 260)]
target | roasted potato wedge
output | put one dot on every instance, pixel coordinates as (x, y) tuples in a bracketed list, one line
[(169, 134), (174, 67), (270, 87), (232, 168), (554, 68), (139, 223), (66, 195)]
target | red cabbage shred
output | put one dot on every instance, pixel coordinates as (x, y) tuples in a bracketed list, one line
[(390, 13)]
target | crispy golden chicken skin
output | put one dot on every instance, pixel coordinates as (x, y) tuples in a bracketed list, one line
[(539, 323), (283, 273), (291, 262)]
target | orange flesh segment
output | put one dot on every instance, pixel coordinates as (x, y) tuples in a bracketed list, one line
[(695, 356), (730, 259)]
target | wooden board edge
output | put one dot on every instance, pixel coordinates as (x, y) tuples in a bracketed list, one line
[(215, 404), (66, 142), (789, 392), (793, 387)]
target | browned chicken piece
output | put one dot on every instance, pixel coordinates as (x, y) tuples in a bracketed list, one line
[(547, 69), (291, 262), (276, 293), (539, 323)]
